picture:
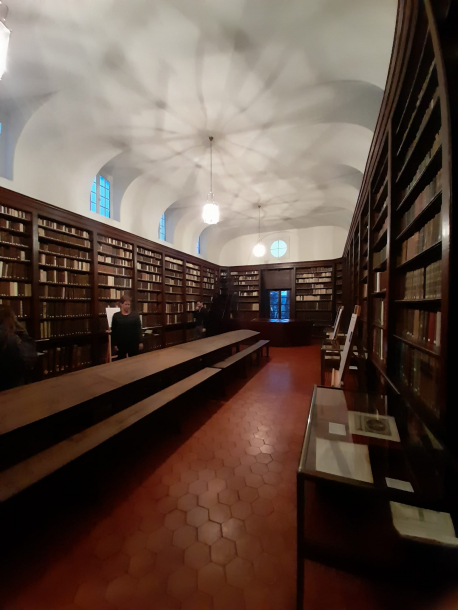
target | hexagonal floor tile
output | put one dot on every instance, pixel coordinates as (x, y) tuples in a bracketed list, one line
[(223, 551), (209, 532)]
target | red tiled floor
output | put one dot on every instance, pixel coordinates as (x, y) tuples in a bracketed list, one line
[(210, 524)]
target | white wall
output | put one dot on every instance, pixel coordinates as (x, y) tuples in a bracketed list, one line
[(316, 243)]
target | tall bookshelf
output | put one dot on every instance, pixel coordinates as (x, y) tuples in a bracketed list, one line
[(314, 293), (193, 294), (209, 289), (246, 286), (149, 287), (174, 302), (411, 256), (115, 270), (15, 262), (65, 266)]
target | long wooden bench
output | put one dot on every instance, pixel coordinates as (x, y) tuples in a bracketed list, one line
[(241, 357), (30, 471)]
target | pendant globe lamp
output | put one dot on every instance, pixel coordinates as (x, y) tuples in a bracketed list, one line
[(210, 213), (259, 249)]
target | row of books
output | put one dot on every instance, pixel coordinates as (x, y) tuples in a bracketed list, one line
[(114, 242), (423, 283), (192, 285), (64, 263), (117, 252), (251, 293), (316, 291), (117, 271), (173, 318), (208, 286), (321, 306), (245, 272), (68, 238), (311, 297), (173, 282), (120, 262), (21, 308), (420, 373), (110, 293), (173, 267), (429, 155), (379, 233), (420, 325), (148, 259), (4, 209), (149, 268), (420, 95), (173, 290), (377, 343), (148, 286), (149, 277), (174, 298), (253, 283), (379, 311), (63, 277), (64, 328), (112, 280), (173, 274), (427, 236), (192, 272), (192, 290), (423, 199), (49, 309), (364, 291), (191, 266), (46, 248), (12, 225), (15, 271), (150, 297), (174, 307), (380, 281), (175, 261), (149, 253), (15, 289), (149, 307), (14, 254), (13, 240), (424, 120), (63, 359), (379, 257), (62, 228), (62, 292)]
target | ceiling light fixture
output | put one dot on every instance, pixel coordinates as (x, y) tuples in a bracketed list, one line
[(259, 249), (210, 212), (4, 38)]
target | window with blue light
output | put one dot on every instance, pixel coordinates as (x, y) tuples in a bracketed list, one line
[(198, 245), (101, 196), (279, 304), (161, 230), (278, 248)]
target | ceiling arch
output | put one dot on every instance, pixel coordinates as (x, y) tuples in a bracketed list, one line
[(290, 91)]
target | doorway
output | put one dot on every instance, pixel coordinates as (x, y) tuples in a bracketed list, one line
[(279, 304)]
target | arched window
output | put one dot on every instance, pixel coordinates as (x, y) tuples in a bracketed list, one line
[(101, 196), (161, 229)]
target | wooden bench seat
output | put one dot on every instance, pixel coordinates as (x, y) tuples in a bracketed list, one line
[(30, 471), (257, 347)]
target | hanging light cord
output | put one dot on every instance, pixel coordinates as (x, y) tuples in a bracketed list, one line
[(211, 163), (259, 224)]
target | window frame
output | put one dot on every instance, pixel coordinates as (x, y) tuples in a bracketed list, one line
[(162, 228), (100, 197), (277, 249), (281, 306)]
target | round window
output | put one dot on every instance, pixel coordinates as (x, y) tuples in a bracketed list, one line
[(278, 248)]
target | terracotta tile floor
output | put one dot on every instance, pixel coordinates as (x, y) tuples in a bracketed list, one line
[(204, 521)]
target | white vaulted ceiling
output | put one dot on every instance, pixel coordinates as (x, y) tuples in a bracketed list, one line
[(289, 89)]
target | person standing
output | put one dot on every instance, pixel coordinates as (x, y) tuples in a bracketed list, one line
[(200, 315), (126, 330), (18, 353)]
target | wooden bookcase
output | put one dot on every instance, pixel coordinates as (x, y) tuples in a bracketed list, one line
[(314, 292), (400, 241), (245, 283), (59, 271)]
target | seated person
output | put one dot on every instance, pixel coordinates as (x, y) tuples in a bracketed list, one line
[(18, 353)]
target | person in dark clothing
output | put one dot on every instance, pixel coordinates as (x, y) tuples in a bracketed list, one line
[(126, 331), (18, 353), (200, 316)]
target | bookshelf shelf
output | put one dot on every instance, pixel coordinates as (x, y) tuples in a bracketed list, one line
[(424, 176), (424, 257), (432, 208), (430, 350), (436, 301), (380, 293)]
